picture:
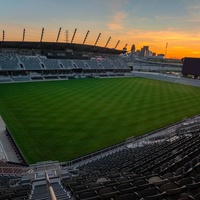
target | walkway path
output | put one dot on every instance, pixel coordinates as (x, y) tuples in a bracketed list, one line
[(6, 150)]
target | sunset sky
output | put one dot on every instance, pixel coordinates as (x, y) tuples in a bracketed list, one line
[(141, 22)]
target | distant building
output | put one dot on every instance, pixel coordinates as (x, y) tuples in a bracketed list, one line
[(153, 54), (145, 52), (161, 56), (133, 49)]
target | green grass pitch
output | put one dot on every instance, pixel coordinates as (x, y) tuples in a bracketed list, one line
[(62, 120)]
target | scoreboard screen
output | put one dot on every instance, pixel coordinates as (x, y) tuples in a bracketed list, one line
[(191, 66)]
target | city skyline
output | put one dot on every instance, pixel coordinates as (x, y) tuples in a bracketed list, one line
[(142, 23)]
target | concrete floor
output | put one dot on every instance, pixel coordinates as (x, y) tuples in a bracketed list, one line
[(6, 150)]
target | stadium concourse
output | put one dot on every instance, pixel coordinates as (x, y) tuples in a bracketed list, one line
[(6, 151)]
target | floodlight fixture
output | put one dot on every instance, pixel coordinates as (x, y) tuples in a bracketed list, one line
[(108, 41), (125, 46), (117, 44), (42, 35), (97, 39), (58, 34), (86, 37), (74, 35), (3, 37), (24, 33)]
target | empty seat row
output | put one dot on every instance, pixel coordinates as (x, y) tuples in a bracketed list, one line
[(11, 61)]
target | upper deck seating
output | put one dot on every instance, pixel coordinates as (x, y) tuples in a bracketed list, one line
[(106, 64), (118, 63), (50, 63), (81, 64), (93, 64), (67, 64), (31, 62), (9, 61)]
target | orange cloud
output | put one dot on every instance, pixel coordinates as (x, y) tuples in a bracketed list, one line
[(117, 21)]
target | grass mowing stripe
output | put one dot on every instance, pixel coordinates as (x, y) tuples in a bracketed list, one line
[(63, 120)]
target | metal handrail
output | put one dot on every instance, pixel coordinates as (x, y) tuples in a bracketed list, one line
[(50, 190)]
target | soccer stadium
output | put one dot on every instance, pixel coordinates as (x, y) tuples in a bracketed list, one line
[(86, 122)]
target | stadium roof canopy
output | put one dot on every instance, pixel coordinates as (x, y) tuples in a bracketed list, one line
[(58, 47)]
